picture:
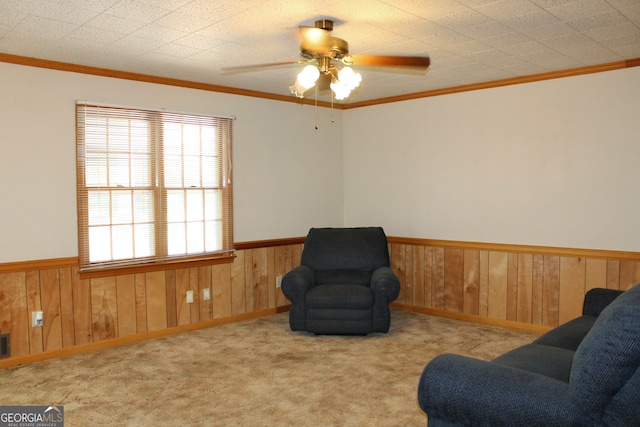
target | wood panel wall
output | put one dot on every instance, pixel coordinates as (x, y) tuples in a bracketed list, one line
[(531, 286), (84, 311), (542, 287)]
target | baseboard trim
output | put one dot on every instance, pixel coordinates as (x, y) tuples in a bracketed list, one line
[(283, 308), (471, 318), (131, 339)]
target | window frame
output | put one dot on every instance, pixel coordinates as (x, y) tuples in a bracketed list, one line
[(160, 260)]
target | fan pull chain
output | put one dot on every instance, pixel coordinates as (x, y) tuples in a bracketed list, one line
[(332, 121), (316, 107)]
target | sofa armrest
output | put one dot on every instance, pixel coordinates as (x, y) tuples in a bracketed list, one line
[(297, 282), (466, 391), (595, 300), (385, 283)]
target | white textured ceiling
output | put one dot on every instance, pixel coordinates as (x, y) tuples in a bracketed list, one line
[(469, 41)]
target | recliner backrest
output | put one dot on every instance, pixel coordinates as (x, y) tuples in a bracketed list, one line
[(332, 249)]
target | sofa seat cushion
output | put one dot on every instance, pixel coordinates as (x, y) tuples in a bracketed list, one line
[(609, 355), (553, 362), (340, 296), (568, 335)]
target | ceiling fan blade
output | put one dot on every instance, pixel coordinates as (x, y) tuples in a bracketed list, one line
[(409, 63), (258, 67)]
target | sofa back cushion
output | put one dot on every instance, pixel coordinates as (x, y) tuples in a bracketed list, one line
[(331, 249), (608, 356)]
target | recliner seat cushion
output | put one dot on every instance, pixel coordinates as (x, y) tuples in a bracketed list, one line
[(339, 296), (338, 314), (357, 277)]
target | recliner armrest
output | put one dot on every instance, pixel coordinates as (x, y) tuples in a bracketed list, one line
[(468, 391), (297, 282), (384, 282), (595, 300)]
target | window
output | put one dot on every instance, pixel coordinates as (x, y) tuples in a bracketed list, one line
[(152, 185)]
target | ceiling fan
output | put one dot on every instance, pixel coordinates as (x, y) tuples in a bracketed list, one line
[(328, 57)]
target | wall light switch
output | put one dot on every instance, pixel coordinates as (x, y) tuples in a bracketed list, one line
[(206, 294), (278, 281), (189, 297)]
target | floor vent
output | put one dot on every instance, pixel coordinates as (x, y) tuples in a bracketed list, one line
[(5, 349)]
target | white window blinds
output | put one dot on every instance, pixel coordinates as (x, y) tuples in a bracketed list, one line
[(152, 185)]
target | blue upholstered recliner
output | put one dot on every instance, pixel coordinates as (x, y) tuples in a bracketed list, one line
[(585, 372), (344, 284)]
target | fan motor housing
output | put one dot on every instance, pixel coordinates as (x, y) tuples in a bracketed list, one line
[(329, 47), (335, 48)]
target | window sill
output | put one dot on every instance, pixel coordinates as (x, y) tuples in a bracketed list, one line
[(157, 266)]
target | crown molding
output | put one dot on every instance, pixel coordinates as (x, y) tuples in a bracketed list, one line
[(503, 82), (126, 75)]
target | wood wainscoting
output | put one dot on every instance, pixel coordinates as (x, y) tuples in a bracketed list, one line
[(86, 314), (524, 287)]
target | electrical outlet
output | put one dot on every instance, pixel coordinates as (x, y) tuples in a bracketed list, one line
[(206, 294), (189, 297), (37, 319), (278, 281)]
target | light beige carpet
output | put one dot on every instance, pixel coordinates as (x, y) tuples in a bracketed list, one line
[(255, 373)]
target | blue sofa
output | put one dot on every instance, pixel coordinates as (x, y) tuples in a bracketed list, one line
[(583, 373)]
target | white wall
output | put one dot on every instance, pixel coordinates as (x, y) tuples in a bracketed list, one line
[(552, 163), (287, 174)]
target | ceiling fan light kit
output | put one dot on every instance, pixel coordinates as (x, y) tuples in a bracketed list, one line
[(346, 81), (306, 80), (343, 81)]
